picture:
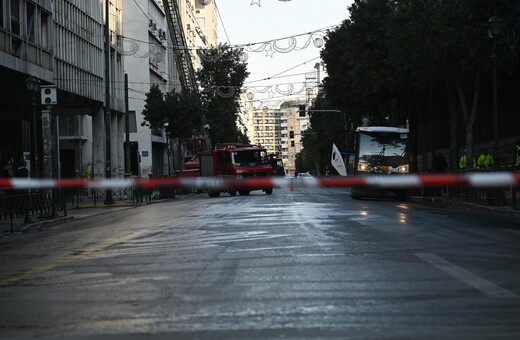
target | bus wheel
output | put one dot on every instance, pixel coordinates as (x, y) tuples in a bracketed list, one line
[(233, 192), (213, 193), (268, 191), (402, 196), (244, 192), (354, 194)]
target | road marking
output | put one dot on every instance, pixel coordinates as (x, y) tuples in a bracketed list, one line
[(80, 254), (461, 274)]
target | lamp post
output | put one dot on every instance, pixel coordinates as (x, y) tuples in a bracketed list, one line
[(107, 114), (494, 30), (33, 85)]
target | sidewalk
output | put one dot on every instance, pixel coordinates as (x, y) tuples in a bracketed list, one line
[(459, 202), (85, 209)]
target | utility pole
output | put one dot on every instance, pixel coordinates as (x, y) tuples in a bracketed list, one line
[(127, 129), (108, 117)]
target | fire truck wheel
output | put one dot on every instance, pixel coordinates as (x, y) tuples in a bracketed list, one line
[(268, 191), (244, 192)]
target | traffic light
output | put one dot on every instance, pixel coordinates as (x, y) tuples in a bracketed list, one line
[(302, 110), (48, 94)]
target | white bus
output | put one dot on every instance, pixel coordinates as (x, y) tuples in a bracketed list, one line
[(381, 150)]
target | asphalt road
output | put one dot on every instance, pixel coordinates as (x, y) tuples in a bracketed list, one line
[(308, 263)]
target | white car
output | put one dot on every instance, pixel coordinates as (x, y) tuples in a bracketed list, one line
[(305, 176)]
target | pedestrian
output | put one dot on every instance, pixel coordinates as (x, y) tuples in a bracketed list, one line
[(485, 160), (462, 161), (439, 164), (517, 152)]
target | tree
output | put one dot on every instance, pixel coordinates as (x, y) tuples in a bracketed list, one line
[(154, 113), (221, 77), (287, 104), (415, 60), (327, 128), (185, 114)]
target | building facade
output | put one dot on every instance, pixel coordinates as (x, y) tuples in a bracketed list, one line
[(59, 44), (293, 126), (266, 129), (149, 60)]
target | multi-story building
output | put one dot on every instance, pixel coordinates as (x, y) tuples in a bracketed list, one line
[(149, 50), (266, 129), (293, 125), (148, 61), (60, 44), (200, 26)]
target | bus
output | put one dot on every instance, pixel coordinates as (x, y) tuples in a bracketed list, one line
[(381, 150)]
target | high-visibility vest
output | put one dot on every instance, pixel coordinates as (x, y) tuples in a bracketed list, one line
[(485, 160), (462, 162)]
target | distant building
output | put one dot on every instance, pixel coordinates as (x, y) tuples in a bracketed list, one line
[(266, 130), (293, 126)]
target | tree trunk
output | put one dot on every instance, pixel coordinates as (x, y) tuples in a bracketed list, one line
[(469, 117)]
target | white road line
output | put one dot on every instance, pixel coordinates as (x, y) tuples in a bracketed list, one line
[(461, 274)]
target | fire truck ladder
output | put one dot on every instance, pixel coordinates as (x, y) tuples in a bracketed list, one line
[(182, 54)]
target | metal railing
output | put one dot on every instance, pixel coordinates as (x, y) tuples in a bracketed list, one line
[(29, 204)]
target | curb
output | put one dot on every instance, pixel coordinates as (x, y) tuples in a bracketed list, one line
[(467, 205)]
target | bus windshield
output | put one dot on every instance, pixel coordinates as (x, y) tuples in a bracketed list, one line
[(383, 148)]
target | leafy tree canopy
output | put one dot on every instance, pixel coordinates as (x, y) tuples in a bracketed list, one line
[(221, 77)]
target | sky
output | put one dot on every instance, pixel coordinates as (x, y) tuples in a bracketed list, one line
[(285, 34)]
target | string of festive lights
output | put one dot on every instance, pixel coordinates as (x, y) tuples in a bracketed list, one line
[(257, 2)]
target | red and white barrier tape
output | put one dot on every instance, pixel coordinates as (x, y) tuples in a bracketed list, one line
[(476, 180)]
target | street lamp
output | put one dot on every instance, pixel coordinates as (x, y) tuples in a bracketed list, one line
[(33, 85), (494, 30)]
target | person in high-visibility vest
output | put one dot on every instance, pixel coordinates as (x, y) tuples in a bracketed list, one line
[(517, 163), (485, 160), (462, 161)]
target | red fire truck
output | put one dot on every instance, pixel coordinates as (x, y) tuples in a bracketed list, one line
[(237, 161)]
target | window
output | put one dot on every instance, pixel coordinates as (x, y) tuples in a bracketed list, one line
[(2, 14), (45, 30), (31, 11), (15, 17), (71, 125)]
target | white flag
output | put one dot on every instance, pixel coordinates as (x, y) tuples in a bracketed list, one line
[(337, 161)]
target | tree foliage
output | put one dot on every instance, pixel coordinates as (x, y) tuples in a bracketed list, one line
[(416, 61), (154, 113), (185, 113), (221, 77)]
